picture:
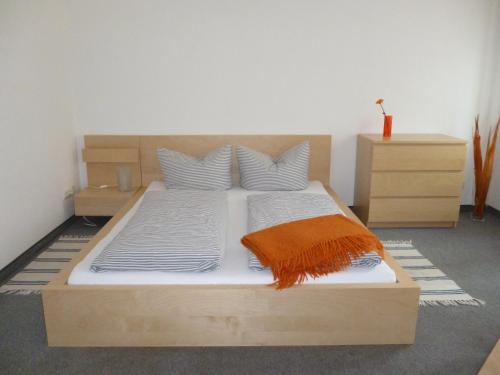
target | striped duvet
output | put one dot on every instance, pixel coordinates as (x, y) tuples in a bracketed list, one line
[(267, 210), (173, 231)]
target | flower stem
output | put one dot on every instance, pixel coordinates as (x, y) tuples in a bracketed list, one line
[(383, 110)]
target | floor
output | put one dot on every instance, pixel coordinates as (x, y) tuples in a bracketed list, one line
[(450, 340)]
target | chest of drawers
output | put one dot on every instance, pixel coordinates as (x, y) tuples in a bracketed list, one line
[(409, 180)]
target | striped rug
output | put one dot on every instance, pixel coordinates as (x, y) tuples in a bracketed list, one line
[(436, 289), (44, 267)]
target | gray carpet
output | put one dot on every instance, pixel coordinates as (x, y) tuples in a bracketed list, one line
[(450, 340)]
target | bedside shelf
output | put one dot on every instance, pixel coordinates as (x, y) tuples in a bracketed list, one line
[(101, 202)]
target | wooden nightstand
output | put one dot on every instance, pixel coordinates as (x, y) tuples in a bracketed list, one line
[(101, 202), (409, 180), (104, 155)]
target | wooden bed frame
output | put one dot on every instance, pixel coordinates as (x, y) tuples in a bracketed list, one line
[(224, 315)]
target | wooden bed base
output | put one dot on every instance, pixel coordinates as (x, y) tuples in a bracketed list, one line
[(228, 315)]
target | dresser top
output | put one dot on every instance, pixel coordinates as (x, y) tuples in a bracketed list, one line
[(413, 138)]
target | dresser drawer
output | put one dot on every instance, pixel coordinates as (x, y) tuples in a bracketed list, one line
[(416, 184), (414, 209), (428, 157)]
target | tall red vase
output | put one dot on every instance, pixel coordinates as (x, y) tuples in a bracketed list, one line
[(387, 126)]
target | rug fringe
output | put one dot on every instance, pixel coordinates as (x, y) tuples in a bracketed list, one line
[(398, 242), (467, 302), (20, 292)]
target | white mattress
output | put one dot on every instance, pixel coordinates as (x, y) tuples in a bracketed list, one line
[(234, 270)]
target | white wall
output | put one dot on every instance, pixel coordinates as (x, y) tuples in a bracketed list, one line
[(494, 193), (492, 110), (37, 160), (279, 66)]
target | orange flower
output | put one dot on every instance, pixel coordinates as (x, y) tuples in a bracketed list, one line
[(380, 102)]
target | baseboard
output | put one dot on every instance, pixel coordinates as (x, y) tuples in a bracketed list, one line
[(492, 210), (489, 209), (469, 208), (22, 260)]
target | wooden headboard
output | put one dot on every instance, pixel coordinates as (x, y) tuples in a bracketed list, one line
[(148, 167)]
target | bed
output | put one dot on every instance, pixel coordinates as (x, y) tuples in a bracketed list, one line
[(232, 305)]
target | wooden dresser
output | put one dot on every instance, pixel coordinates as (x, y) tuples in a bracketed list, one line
[(409, 180)]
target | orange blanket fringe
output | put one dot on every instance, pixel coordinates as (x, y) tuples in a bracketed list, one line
[(310, 247)]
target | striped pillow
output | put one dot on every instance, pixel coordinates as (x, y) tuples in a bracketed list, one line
[(289, 171), (181, 171)]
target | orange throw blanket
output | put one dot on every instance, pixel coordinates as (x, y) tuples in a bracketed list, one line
[(310, 247)]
